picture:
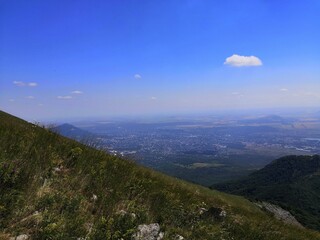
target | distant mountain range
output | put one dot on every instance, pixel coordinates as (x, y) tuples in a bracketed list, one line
[(292, 182), (270, 119)]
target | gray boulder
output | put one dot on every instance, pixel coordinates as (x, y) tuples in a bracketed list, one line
[(20, 237), (148, 232)]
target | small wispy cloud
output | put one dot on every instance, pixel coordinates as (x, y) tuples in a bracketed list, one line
[(76, 92), (11, 100), (32, 84), (64, 97), (137, 76), (153, 98), (30, 97), (25, 84), (40, 104), (19, 83), (284, 89), (237, 94), (243, 61)]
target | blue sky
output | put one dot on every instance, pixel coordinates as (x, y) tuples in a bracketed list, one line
[(97, 58)]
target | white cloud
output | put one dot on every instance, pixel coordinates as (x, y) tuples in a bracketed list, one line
[(19, 83), (32, 84), (137, 76), (237, 94), (242, 61), (23, 84), (11, 100), (284, 90), (76, 92), (153, 98), (64, 97), (30, 97), (40, 104)]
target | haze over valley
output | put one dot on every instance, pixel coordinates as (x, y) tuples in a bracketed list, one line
[(204, 149)]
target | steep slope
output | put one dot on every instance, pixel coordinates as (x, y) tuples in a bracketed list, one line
[(292, 182), (55, 188)]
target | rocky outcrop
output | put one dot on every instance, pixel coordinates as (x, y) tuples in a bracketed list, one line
[(280, 213)]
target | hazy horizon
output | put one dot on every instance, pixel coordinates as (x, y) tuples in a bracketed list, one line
[(293, 112)]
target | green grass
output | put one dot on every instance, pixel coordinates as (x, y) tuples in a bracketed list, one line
[(37, 200)]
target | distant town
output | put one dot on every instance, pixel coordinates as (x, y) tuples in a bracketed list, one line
[(207, 151)]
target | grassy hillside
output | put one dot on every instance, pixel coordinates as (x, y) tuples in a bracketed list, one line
[(55, 188), (292, 182)]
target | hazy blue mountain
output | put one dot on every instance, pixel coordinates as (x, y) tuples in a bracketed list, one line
[(73, 132)]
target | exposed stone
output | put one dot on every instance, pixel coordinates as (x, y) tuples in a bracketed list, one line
[(56, 169), (280, 213), (179, 237), (223, 214), (94, 197), (202, 210), (20, 237), (161, 235), (122, 212), (148, 232)]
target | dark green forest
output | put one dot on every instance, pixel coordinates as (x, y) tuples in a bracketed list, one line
[(292, 182)]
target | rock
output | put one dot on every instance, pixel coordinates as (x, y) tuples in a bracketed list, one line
[(122, 212), (202, 210), (280, 213), (56, 170), (20, 237), (148, 232), (94, 197), (161, 235), (179, 237), (223, 214)]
